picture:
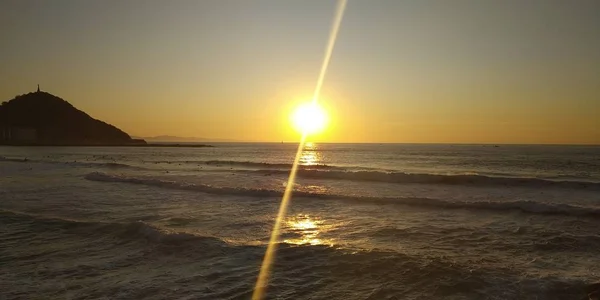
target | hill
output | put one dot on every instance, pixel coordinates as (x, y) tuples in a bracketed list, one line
[(40, 118)]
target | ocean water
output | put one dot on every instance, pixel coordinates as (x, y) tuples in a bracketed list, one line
[(366, 221)]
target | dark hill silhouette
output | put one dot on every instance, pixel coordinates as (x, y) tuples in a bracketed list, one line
[(44, 119)]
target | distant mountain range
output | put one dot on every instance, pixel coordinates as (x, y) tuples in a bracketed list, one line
[(173, 139)]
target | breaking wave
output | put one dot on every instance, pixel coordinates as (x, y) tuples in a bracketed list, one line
[(333, 272), (524, 206), (454, 179), (112, 165), (130, 230), (106, 165), (265, 165), (2, 158)]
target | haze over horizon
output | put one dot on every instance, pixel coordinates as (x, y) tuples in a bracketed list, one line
[(408, 72)]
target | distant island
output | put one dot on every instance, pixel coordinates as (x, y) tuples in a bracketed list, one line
[(42, 119)]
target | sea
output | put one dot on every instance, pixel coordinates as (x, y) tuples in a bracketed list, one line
[(365, 221)]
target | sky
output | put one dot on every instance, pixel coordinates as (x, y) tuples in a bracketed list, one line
[(405, 71)]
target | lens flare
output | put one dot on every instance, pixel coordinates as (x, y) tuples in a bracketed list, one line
[(263, 275)]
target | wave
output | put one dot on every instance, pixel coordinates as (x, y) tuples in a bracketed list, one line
[(457, 179), (538, 239), (333, 273), (103, 177), (3, 158), (112, 165), (365, 174), (265, 165), (128, 230), (524, 206), (248, 164), (154, 234), (105, 165), (569, 242)]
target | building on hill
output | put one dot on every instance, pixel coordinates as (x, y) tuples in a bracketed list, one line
[(18, 135)]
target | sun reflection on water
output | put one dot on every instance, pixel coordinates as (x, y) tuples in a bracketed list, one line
[(304, 224), (308, 230), (311, 155)]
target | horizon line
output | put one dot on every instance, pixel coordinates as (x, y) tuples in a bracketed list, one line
[(389, 143)]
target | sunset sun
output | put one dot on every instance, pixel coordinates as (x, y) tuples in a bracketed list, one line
[(309, 118)]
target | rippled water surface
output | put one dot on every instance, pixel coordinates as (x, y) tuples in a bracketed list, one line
[(366, 222)]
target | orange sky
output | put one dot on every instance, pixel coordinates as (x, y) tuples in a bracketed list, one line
[(402, 71)]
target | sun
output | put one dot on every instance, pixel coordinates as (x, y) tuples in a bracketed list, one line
[(309, 118)]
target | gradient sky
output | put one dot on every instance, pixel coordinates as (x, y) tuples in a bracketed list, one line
[(480, 71)]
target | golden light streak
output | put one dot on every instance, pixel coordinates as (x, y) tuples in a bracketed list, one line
[(263, 276), (332, 38)]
